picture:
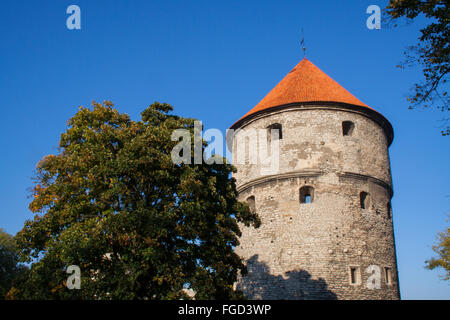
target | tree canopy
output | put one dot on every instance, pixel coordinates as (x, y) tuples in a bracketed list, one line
[(442, 249), (139, 226), (432, 51), (9, 259)]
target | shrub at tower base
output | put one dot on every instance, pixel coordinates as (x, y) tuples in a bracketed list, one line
[(138, 226)]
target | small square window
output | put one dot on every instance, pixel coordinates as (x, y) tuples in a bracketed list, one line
[(306, 194), (252, 204), (355, 276), (388, 275), (347, 128), (389, 210), (364, 199)]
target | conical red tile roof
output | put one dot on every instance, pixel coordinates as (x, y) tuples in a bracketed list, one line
[(305, 83)]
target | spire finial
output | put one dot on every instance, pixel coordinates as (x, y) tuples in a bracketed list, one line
[(303, 44)]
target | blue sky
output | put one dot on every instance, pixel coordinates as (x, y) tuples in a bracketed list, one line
[(214, 60)]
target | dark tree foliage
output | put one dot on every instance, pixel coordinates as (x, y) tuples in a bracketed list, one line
[(138, 226), (432, 51), (10, 269)]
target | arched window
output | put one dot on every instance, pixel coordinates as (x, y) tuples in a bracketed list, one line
[(364, 199), (347, 128), (389, 210), (251, 203), (306, 194)]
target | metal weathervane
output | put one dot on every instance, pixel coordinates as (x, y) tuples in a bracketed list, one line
[(303, 44)]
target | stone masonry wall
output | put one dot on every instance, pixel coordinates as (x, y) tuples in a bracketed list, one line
[(306, 250)]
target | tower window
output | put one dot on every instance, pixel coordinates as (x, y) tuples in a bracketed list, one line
[(389, 210), (347, 128), (274, 129), (275, 126), (251, 203), (355, 275), (364, 199), (306, 194), (388, 275)]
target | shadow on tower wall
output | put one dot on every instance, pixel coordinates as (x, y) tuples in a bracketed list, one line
[(295, 285)]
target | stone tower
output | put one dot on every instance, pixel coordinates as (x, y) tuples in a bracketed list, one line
[(326, 219)]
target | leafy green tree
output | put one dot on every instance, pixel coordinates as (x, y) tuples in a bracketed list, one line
[(432, 52), (9, 259), (139, 226), (442, 249)]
